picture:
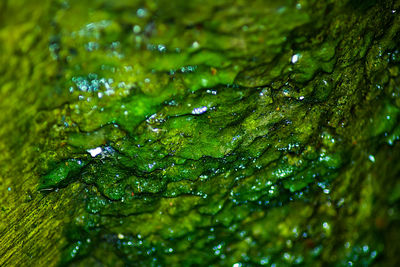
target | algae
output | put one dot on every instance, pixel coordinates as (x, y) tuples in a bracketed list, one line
[(183, 133)]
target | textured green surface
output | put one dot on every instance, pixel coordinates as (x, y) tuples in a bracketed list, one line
[(165, 133)]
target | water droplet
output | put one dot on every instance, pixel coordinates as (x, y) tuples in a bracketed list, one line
[(195, 45), (141, 12), (295, 58), (136, 29), (371, 158), (95, 151), (198, 111)]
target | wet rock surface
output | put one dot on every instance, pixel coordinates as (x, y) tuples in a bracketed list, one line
[(184, 133)]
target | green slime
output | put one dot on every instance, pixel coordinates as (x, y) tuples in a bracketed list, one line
[(178, 133)]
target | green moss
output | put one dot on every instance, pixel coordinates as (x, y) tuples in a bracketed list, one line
[(205, 133), (61, 174)]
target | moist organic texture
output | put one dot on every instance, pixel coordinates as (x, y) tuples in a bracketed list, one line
[(182, 133)]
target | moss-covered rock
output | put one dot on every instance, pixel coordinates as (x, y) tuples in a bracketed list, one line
[(204, 133)]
